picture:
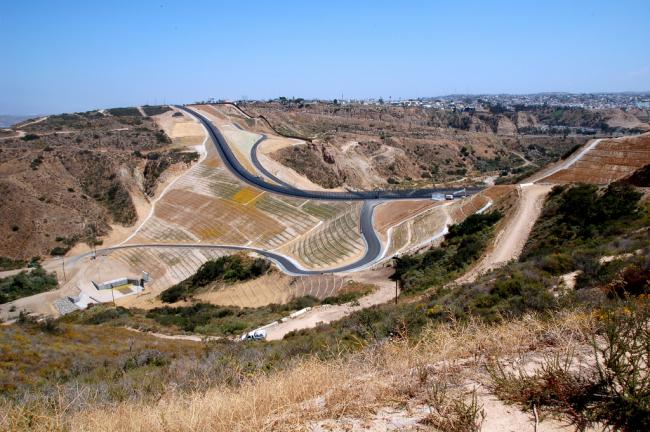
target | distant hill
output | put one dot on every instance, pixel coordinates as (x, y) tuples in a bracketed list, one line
[(10, 120), (73, 172)]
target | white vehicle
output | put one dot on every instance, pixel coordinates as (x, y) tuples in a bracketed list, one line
[(254, 335), (449, 196)]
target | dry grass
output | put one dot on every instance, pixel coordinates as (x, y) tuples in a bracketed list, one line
[(396, 373)]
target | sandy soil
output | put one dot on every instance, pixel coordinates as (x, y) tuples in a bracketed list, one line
[(287, 174), (16, 134), (183, 130), (326, 313), (498, 191), (7, 273), (274, 143), (607, 161), (511, 239), (394, 212), (193, 338), (270, 288)]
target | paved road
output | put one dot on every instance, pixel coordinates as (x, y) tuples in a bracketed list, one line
[(261, 168), (370, 200), (286, 264), (233, 164)]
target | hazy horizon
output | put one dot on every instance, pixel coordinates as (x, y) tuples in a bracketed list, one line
[(333, 98), (75, 56)]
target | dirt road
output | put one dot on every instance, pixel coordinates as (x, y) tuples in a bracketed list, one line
[(563, 164), (328, 313), (512, 238)]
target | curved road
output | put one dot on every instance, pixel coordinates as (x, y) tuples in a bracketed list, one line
[(233, 164), (286, 264), (370, 200), (261, 168)]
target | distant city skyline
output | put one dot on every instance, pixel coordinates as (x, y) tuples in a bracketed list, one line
[(76, 56)]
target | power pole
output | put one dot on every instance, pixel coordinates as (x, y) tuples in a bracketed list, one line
[(396, 289), (65, 279)]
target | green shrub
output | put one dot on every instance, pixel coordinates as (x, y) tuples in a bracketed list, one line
[(7, 263), (59, 251), (26, 283), (152, 110), (125, 112), (99, 315), (633, 280), (227, 269), (30, 137), (557, 263), (473, 224), (614, 394), (575, 216), (148, 357), (464, 243)]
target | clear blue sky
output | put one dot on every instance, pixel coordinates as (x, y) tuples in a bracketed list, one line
[(62, 56)]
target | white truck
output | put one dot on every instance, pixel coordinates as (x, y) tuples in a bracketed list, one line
[(255, 335)]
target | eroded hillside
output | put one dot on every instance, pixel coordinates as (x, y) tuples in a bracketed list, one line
[(365, 146), (67, 178)]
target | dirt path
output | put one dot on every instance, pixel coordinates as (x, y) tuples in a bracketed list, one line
[(328, 313), (512, 238), (192, 338), (38, 120), (144, 114), (523, 158), (7, 273), (19, 134), (563, 164)]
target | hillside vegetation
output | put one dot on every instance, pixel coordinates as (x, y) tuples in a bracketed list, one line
[(226, 269), (411, 146), (73, 175), (464, 243), (208, 319), (427, 350), (26, 283)]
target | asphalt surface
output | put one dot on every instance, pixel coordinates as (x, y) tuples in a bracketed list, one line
[(261, 168), (286, 264), (370, 200), (233, 164)]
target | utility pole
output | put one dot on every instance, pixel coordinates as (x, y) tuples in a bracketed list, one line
[(396, 289), (65, 279)]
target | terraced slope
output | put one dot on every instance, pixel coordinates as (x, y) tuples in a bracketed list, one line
[(333, 243), (274, 288), (209, 205), (166, 266), (608, 161)]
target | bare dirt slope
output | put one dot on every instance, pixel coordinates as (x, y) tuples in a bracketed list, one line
[(606, 161), (70, 178), (513, 233), (364, 146)]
